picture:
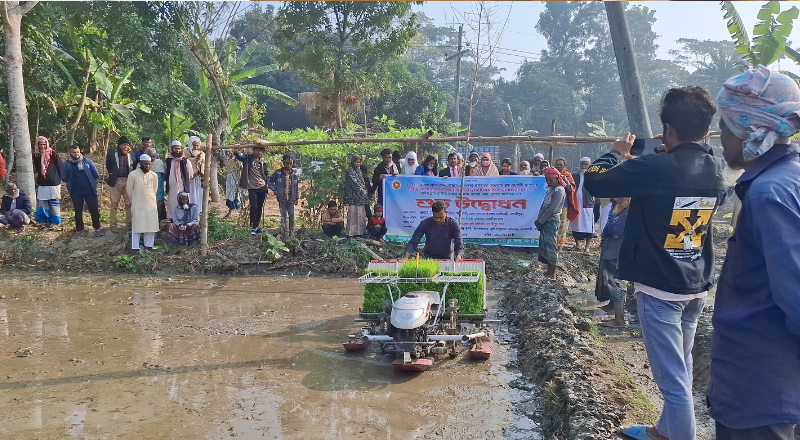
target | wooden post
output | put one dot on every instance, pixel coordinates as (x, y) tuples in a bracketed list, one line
[(206, 193), (552, 145)]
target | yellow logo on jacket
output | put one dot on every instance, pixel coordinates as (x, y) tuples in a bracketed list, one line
[(690, 218)]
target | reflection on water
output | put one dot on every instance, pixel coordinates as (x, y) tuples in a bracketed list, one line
[(207, 357)]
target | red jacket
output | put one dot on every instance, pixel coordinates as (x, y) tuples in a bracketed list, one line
[(374, 221)]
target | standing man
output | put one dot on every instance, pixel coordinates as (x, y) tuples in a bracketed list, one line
[(160, 169), (146, 143), (80, 175), (119, 164), (755, 351), (505, 168), (582, 227), (385, 168), (473, 163), (285, 183), (254, 180), (536, 163), (178, 172), (667, 248), (141, 188), (442, 236), (452, 169), (548, 218)]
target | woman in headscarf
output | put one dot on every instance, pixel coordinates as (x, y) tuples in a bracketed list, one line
[(410, 165), (486, 167), (197, 158), (48, 168), (355, 196), (547, 221), (428, 168), (570, 211)]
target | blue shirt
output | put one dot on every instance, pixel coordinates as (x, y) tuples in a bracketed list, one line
[(755, 352)]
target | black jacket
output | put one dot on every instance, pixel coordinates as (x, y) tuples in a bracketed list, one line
[(53, 170), (667, 242), (23, 203), (112, 166)]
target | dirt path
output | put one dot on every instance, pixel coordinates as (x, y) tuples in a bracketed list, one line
[(220, 357)]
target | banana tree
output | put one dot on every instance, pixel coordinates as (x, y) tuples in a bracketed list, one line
[(770, 33), (224, 73), (110, 108), (176, 124)]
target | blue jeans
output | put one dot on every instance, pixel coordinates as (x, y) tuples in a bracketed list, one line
[(668, 329)]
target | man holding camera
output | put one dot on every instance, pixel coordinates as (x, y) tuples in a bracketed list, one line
[(667, 249)]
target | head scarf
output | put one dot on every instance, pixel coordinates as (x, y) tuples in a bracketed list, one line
[(190, 146), (48, 152), (552, 172), (761, 107), (409, 170), (353, 159), (491, 170)]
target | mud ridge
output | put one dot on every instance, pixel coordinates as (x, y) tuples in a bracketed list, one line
[(585, 393)]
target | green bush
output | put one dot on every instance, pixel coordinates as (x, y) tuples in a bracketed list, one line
[(469, 295)]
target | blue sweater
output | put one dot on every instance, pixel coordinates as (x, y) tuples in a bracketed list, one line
[(755, 351), (75, 184)]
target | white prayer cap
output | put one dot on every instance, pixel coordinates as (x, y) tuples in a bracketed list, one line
[(176, 142), (586, 159), (145, 158), (539, 155)]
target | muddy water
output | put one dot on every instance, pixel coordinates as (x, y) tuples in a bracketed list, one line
[(209, 358)]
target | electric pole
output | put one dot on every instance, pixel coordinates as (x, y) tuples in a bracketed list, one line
[(458, 55), (628, 70)]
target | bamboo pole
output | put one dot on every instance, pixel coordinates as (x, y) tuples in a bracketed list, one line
[(206, 193), (565, 141)]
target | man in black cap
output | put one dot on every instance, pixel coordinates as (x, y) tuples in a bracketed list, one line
[(285, 184), (119, 164), (472, 163)]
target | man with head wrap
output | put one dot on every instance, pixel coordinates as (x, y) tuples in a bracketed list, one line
[(141, 188), (197, 158), (667, 248), (755, 353), (549, 218), (178, 171), (582, 227), (48, 179), (473, 162)]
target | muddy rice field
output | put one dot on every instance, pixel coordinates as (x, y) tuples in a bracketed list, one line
[(212, 357)]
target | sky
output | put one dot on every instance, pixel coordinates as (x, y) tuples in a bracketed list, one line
[(519, 39)]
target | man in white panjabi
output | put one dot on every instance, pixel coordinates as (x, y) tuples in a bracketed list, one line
[(197, 158), (179, 172), (582, 227), (141, 188)]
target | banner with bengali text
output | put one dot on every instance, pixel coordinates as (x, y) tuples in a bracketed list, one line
[(496, 210)]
